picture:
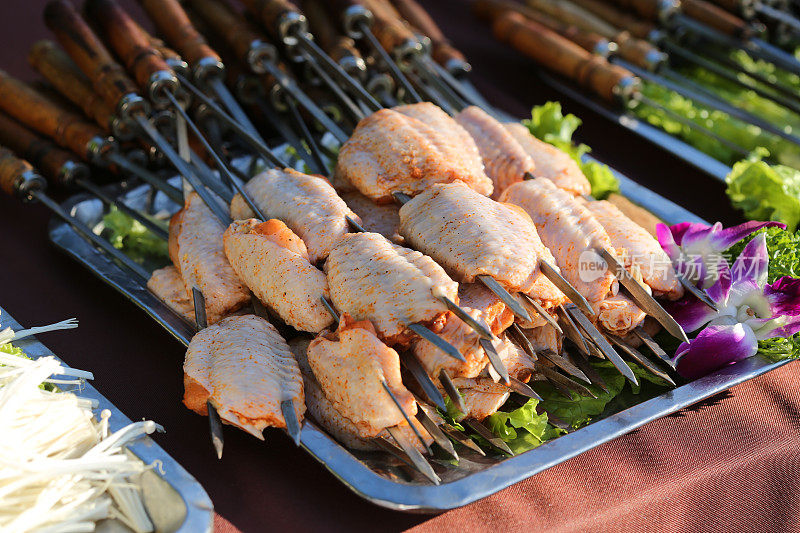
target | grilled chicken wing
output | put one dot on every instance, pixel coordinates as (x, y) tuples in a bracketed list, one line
[(195, 247), (373, 279), (351, 367), (641, 250), (481, 304), (321, 409), (307, 204), (166, 283), (482, 396), (245, 369), (471, 235), (274, 263), (551, 163), (390, 151), (544, 338), (519, 364), (618, 314), (375, 218), (505, 159), (569, 230)]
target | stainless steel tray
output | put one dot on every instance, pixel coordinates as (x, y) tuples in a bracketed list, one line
[(175, 501), (376, 476)]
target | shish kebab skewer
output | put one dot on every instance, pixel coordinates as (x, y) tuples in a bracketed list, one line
[(237, 347), (60, 167), (18, 178), (205, 64), (132, 46), (614, 82), (259, 55), (112, 83), (288, 24), (356, 21), (87, 141), (359, 420)]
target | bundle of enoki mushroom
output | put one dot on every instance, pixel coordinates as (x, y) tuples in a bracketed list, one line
[(60, 468)]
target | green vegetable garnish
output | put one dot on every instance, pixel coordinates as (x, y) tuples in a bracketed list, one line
[(523, 429), (131, 236), (548, 123), (766, 192)]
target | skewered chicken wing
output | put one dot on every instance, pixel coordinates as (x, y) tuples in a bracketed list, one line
[(483, 305), (618, 314), (195, 247), (274, 263), (245, 369), (375, 218), (519, 364), (390, 151), (544, 338), (482, 396), (505, 159), (471, 235), (166, 283), (307, 204), (569, 230), (340, 427), (351, 367), (551, 163), (642, 250), (373, 279)]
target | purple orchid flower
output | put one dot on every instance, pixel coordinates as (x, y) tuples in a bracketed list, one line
[(696, 249), (749, 310)]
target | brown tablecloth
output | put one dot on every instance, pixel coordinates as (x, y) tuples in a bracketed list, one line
[(728, 464)]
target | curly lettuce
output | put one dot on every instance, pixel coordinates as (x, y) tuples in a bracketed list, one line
[(766, 192), (549, 124), (131, 236)]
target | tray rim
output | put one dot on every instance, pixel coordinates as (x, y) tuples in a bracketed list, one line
[(412, 497), (199, 509)]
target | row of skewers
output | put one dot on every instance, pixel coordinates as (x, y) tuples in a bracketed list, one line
[(612, 48), (470, 287)]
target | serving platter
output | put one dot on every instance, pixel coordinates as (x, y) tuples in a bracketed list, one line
[(379, 477), (174, 500)]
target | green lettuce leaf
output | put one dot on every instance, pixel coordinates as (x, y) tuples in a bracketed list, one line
[(548, 123), (133, 237), (10, 349), (523, 428), (783, 248), (766, 192), (580, 410)]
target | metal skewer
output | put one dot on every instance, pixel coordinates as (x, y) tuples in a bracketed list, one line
[(486, 433), (542, 312), (414, 455), (405, 416), (495, 360), (214, 421), (639, 357)]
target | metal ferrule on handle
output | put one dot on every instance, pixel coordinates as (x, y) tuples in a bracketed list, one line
[(353, 17), (17, 176), (261, 54)]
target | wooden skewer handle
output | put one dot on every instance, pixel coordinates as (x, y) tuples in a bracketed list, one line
[(389, 28), (237, 32), (108, 78), (443, 51), (173, 22), (650, 10), (638, 52), (716, 17), (58, 166), (132, 46), (57, 68), (590, 41), (16, 174), (173, 58), (331, 38), (563, 56), (636, 26), (280, 17), (45, 116)]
